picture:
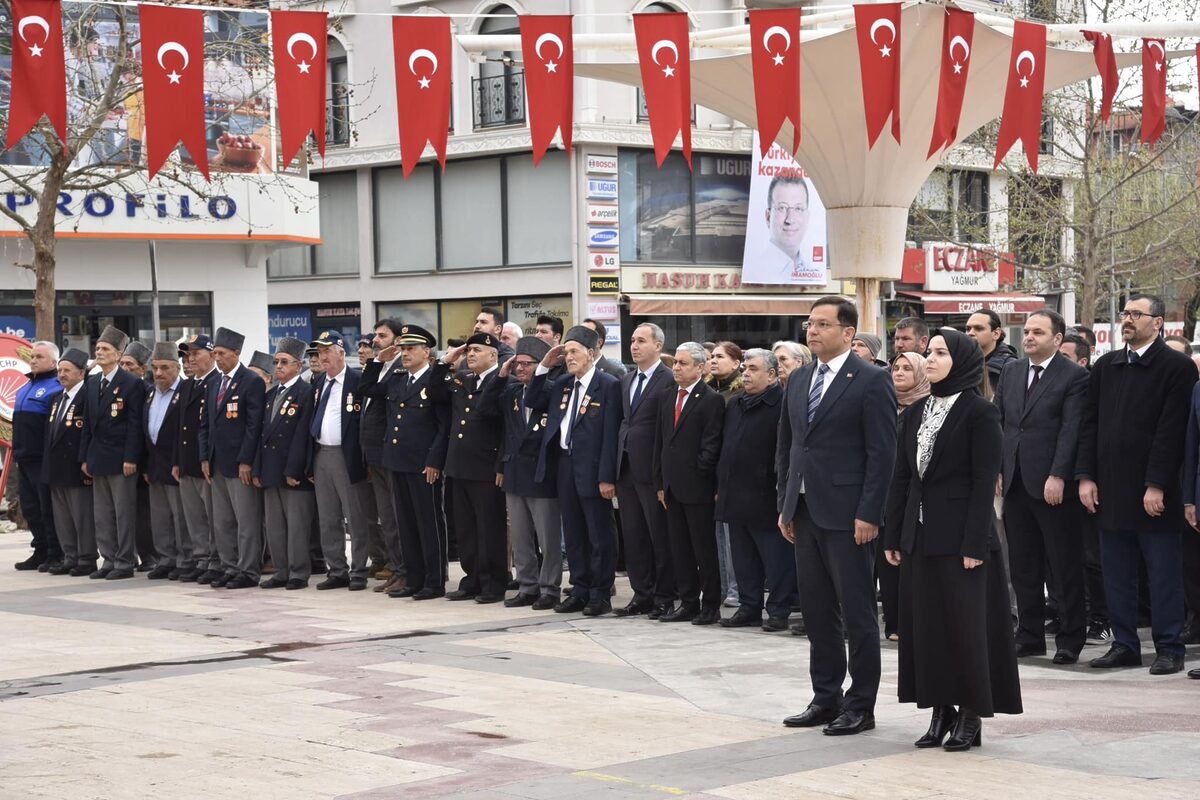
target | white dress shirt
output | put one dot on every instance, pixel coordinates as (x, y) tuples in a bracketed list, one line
[(1041, 372), (331, 423), (835, 366), (649, 372), (685, 399), (577, 396)]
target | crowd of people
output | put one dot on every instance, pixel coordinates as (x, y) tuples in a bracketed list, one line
[(814, 482)]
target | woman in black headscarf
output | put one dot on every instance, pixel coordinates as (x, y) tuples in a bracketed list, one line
[(956, 639)]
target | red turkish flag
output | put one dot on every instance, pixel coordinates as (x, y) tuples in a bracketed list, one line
[(546, 45), (1021, 119), (299, 42), (664, 58), (878, 28), (1106, 65), (173, 82), (39, 73), (423, 69), (1154, 89), (958, 32), (775, 55)]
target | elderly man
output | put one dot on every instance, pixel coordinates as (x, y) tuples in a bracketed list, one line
[(70, 489), (136, 360), (746, 498), (195, 490), (110, 449), (229, 440), (169, 527), (510, 334), (263, 366), (281, 468), (613, 368), (30, 413)]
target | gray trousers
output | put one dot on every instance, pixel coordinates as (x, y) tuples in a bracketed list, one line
[(237, 526), (114, 504), (535, 523), (195, 497), (379, 488), (74, 523), (337, 499), (169, 527), (288, 515)]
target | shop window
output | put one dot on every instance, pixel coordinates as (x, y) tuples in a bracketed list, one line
[(525, 311), (472, 220), (971, 216), (538, 209), (405, 220), (338, 252), (423, 314), (929, 218)]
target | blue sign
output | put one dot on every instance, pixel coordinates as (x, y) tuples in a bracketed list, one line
[(293, 321), (19, 326), (600, 189), (603, 237)]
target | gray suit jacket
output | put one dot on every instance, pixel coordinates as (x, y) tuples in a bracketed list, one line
[(1041, 428)]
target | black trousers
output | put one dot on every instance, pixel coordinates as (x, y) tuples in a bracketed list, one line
[(38, 510), (1093, 574), (889, 589), (762, 561), (1039, 533), (647, 545), (837, 598), (694, 552), (1191, 573), (1162, 555), (143, 530), (589, 537), (480, 523), (422, 547)]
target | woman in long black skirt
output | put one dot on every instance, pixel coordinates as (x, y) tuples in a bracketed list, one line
[(956, 641)]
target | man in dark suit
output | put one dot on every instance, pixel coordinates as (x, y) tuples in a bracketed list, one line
[(338, 465), (614, 368), (643, 518), (168, 525), (762, 561), (584, 414), (281, 468), (414, 452), (195, 490), (110, 449), (1041, 399), (471, 461), (229, 441), (377, 490), (687, 445), (837, 446), (1131, 450), (70, 489)]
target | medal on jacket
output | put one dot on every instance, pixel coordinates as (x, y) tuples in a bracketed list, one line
[(583, 406), (349, 402)]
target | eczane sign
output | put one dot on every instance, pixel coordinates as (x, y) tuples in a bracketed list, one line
[(961, 268)]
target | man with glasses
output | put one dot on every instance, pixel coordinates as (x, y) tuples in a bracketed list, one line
[(1131, 449), (782, 260)]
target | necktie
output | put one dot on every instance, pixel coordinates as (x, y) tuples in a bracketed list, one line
[(412, 381), (814, 396), (224, 388), (679, 405), (319, 417), (1037, 376), (1133, 357), (576, 397), (103, 385), (637, 392), (280, 393)]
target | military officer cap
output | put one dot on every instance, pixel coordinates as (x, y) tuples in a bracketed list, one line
[(138, 352), (328, 339), (584, 335), (485, 339), (115, 337), (198, 341), (367, 339), (229, 339), (532, 346), (415, 334), (75, 356), (165, 351), (291, 347), (262, 361)]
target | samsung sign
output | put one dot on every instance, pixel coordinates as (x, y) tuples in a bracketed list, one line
[(101, 204), (603, 237)]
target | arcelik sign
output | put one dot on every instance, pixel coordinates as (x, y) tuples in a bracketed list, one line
[(961, 268)]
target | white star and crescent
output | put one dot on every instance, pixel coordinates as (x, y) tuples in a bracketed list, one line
[(173, 47), (417, 55), (770, 33), (302, 65), (665, 44), (38, 22), (1021, 57), (551, 66), (1153, 43), (955, 42), (883, 22)]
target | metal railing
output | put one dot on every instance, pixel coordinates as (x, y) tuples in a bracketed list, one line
[(337, 122), (499, 100)]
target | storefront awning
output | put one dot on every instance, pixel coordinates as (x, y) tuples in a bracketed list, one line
[(764, 305), (1000, 302)]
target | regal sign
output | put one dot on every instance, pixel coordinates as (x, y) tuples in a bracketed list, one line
[(961, 268)]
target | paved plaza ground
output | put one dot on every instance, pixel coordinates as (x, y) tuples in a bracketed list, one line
[(137, 689)]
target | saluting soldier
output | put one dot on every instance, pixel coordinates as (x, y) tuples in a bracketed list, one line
[(281, 468), (171, 540), (110, 449), (195, 490), (70, 489), (471, 462), (414, 452), (229, 440)]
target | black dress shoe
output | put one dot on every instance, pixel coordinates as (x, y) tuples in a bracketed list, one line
[(297, 583), (943, 721), (206, 576), (30, 564), (1065, 657), (460, 594), (333, 583), (358, 584), (145, 566), (221, 581), (597, 608), (1194, 674), (1117, 656), (273, 583), (429, 594), (174, 574), (407, 591), (811, 717), (513, 585), (82, 569), (659, 610), (633, 609), (1191, 633), (241, 582), (44, 566), (572, 605), (159, 573), (1166, 663), (118, 574), (520, 600), (100, 573), (968, 732), (775, 624), (190, 575), (798, 628), (709, 615), (684, 613), (60, 569), (317, 566), (743, 618), (1026, 650), (849, 723), (488, 599), (544, 603)]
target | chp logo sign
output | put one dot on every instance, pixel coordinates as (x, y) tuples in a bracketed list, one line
[(14, 366)]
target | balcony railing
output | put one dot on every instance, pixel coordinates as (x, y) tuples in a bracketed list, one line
[(499, 100)]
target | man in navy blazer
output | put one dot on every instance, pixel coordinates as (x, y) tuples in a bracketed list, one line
[(168, 526), (110, 449), (584, 414), (837, 447)]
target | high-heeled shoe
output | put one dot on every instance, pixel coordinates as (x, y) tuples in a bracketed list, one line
[(943, 720), (968, 732)]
